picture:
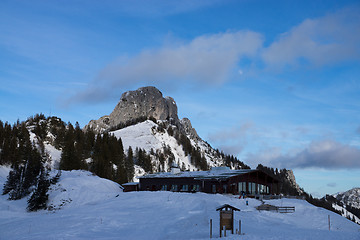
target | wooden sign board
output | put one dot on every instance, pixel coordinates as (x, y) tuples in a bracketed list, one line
[(226, 214), (226, 219)]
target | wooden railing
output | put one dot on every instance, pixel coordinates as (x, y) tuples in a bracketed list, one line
[(286, 209), (268, 207)]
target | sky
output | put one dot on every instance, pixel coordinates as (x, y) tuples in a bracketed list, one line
[(271, 82)]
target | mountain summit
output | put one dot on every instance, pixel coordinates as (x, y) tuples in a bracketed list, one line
[(146, 120), (145, 102)]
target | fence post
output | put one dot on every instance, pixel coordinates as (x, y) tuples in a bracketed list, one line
[(220, 230), (239, 227), (210, 228)]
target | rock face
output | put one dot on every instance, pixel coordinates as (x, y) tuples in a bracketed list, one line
[(289, 174), (189, 130), (144, 102), (350, 198)]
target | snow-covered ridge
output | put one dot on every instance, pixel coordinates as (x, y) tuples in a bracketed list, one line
[(350, 197), (145, 136), (346, 213)]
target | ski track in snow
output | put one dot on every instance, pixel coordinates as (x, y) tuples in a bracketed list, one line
[(96, 208)]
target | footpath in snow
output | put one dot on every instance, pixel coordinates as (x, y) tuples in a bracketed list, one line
[(89, 207)]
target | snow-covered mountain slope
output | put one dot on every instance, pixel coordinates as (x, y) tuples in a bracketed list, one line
[(99, 210), (145, 135), (149, 103), (346, 213), (350, 198), (78, 188)]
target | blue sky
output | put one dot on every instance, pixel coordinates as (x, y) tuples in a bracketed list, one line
[(272, 82)]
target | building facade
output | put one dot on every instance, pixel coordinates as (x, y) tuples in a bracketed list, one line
[(217, 180)]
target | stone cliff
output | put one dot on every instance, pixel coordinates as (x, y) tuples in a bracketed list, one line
[(144, 102)]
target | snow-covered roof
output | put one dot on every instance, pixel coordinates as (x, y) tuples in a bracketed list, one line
[(215, 172)]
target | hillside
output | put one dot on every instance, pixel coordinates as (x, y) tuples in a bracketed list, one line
[(146, 136), (347, 203), (99, 210), (349, 198), (146, 120)]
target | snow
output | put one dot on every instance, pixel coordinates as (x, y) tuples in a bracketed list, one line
[(144, 137), (81, 188), (346, 213), (100, 210), (350, 197), (54, 154), (4, 172)]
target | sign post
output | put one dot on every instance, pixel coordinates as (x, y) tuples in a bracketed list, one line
[(227, 218)]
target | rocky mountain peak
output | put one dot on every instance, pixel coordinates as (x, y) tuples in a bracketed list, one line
[(189, 130), (289, 175), (143, 102), (350, 197)]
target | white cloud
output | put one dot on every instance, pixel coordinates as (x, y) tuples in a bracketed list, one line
[(210, 60), (232, 140), (206, 60), (327, 154), (317, 42)]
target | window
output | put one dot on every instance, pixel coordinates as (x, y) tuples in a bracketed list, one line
[(214, 188), (261, 188), (195, 188), (253, 189), (174, 188), (185, 188), (242, 187), (163, 187)]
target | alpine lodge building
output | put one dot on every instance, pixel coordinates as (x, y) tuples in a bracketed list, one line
[(216, 180)]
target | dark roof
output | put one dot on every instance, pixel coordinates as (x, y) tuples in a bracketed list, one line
[(226, 206), (130, 184), (214, 173)]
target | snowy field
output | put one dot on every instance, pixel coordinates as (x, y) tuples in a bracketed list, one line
[(89, 207)]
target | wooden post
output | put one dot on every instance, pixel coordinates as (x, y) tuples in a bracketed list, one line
[(232, 222), (329, 221), (224, 231), (220, 225), (210, 228), (239, 227)]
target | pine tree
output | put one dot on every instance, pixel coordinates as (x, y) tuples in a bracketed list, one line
[(12, 180), (148, 167), (26, 176), (129, 165), (70, 156), (39, 197)]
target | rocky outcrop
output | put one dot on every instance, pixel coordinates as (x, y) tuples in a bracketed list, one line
[(289, 175), (144, 102), (189, 130)]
